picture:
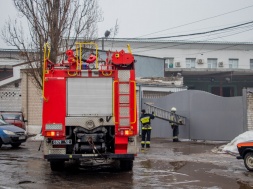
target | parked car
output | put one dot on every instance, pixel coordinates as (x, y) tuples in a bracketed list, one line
[(245, 150), (11, 134), (14, 117)]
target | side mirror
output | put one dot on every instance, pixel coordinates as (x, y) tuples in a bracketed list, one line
[(2, 117)]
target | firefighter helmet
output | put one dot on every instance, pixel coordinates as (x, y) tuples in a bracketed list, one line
[(173, 109), (143, 111)]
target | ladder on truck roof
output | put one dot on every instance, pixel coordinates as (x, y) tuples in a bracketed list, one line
[(164, 114)]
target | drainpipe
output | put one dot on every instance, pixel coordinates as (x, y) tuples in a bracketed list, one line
[(27, 102), (221, 92)]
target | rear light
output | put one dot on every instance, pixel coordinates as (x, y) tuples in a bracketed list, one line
[(129, 132), (126, 132), (50, 133), (54, 134)]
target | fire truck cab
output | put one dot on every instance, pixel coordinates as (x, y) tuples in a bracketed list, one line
[(89, 111)]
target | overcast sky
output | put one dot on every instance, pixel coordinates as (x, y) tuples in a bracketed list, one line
[(141, 18), (150, 18)]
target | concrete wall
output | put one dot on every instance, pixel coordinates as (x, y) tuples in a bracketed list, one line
[(209, 117)]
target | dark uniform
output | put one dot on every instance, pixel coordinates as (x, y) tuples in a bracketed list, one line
[(174, 126), (146, 128)]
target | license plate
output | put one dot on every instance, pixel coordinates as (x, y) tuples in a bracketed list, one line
[(21, 137), (62, 142)]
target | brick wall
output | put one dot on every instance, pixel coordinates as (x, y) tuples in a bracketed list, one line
[(31, 104), (250, 110)]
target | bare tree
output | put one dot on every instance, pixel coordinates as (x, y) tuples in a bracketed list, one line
[(59, 22)]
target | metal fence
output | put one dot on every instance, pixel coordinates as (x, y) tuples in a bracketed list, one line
[(207, 116)]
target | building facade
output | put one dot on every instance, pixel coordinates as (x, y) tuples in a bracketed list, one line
[(221, 68)]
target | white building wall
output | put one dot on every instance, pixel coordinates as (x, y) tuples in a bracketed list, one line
[(10, 97), (180, 51), (180, 55)]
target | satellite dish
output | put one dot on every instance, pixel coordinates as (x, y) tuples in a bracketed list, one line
[(107, 33)]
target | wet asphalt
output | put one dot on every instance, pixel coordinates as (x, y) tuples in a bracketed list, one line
[(188, 164)]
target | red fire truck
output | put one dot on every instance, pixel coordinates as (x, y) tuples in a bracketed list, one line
[(89, 108)]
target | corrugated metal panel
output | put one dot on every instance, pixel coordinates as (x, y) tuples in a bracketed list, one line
[(208, 117), (154, 94), (149, 67), (89, 96)]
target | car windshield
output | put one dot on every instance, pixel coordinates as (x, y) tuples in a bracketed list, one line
[(2, 122), (11, 116)]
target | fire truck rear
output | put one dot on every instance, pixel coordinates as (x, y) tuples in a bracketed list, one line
[(89, 109)]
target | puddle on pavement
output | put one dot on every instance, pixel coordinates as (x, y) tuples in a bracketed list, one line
[(147, 173), (244, 185), (192, 149), (183, 174)]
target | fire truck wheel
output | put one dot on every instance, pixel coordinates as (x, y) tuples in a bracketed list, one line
[(57, 165), (248, 161), (126, 165)]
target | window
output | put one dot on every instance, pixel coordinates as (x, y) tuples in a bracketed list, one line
[(233, 63), (169, 62), (251, 64), (223, 91), (212, 62), (190, 62)]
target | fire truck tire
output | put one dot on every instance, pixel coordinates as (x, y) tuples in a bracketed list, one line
[(248, 161), (15, 145), (126, 165), (57, 165)]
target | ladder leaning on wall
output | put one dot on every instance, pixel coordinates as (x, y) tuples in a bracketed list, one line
[(164, 114)]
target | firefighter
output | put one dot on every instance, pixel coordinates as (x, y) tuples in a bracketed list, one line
[(174, 126), (146, 128)]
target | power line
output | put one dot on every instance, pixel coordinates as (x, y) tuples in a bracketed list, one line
[(205, 28), (191, 34), (198, 21), (181, 44)]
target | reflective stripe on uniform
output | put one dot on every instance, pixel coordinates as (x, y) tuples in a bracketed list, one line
[(145, 120), (145, 142), (173, 118), (146, 128)]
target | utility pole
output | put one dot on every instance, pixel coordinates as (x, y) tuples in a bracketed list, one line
[(103, 43), (107, 33)]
